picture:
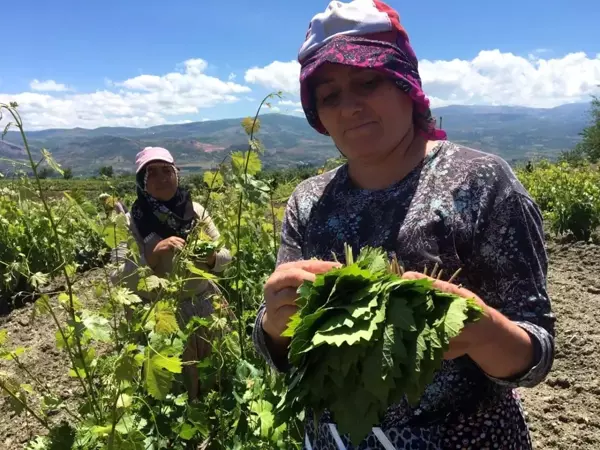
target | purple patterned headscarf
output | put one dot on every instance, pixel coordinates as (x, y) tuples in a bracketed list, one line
[(387, 52)]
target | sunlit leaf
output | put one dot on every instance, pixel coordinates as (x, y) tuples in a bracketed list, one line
[(124, 401), (3, 337), (101, 431), (199, 272), (124, 296), (60, 340), (128, 364), (187, 431), (50, 402), (159, 369), (71, 269), (98, 328), (241, 160), (66, 300), (181, 399), (256, 146), (38, 280), (51, 162), (150, 283), (18, 351), (6, 128), (213, 180), (164, 318), (264, 410), (41, 306), (250, 125), (128, 425), (27, 388), (10, 383), (116, 232)]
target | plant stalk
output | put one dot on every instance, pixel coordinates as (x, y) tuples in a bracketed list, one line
[(19, 123), (25, 406), (240, 303)]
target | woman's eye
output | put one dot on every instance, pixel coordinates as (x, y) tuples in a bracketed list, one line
[(371, 83), (329, 99)]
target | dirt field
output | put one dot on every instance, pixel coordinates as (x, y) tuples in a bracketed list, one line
[(564, 412)]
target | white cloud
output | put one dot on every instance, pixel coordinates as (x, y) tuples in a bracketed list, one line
[(290, 107), (290, 103), (141, 101), (497, 78), (492, 78), (232, 76), (271, 110), (278, 76), (48, 86)]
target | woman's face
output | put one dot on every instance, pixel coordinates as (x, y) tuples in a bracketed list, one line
[(364, 112), (161, 182)]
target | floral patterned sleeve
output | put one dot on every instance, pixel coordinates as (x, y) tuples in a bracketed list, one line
[(510, 259)]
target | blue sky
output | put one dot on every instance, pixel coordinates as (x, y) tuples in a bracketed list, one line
[(87, 47)]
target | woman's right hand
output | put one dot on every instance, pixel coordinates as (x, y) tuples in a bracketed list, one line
[(169, 244), (280, 294)]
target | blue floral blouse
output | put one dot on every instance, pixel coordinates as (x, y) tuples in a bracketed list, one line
[(460, 208)]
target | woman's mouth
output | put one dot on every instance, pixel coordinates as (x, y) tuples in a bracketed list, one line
[(361, 127)]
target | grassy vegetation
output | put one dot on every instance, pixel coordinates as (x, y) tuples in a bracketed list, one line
[(569, 196)]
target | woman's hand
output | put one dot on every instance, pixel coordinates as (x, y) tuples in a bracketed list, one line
[(471, 333), (154, 255), (280, 294), (500, 347), (169, 244), (211, 260)]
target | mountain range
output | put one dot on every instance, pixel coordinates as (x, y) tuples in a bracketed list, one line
[(514, 133)]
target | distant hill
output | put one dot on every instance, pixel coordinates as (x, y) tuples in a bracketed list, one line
[(515, 133)]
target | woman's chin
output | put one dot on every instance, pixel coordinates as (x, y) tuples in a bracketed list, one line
[(367, 151), (368, 131), (164, 196)]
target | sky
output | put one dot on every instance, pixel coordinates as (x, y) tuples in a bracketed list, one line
[(73, 63)]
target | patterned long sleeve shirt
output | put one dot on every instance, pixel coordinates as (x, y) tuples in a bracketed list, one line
[(128, 274), (460, 208)]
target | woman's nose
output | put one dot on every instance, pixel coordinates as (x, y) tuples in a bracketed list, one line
[(350, 105)]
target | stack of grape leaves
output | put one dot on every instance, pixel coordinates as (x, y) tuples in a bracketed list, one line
[(200, 245), (364, 338)]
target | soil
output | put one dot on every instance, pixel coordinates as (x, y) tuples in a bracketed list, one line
[(563, 412)]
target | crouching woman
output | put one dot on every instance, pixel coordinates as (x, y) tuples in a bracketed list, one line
[(162, 218)]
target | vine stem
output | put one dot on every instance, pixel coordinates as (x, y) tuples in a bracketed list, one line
[(212, 183), (69, 351), (71, 310), (240, 303), (25, 406), (274, 223), (115, 419), (24, 368)]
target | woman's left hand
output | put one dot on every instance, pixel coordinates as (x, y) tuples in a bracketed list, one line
[(211, 260), (500, 347), (473, 333)]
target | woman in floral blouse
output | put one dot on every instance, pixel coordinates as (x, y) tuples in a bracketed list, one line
[(426, 201)]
